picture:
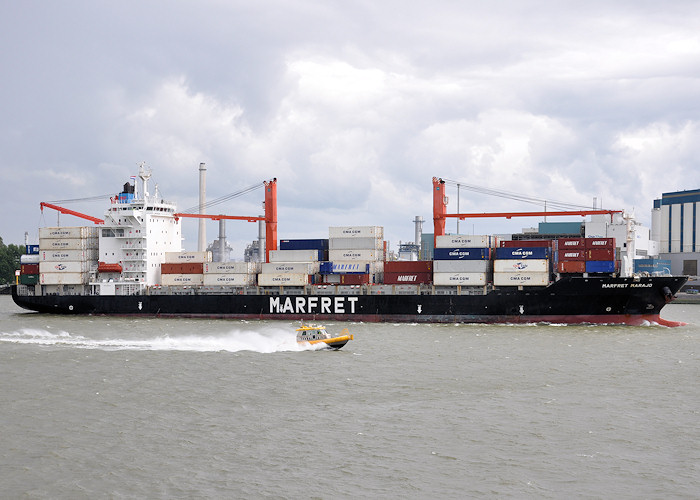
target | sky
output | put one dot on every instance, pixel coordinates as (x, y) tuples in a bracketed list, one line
[(354, 106)]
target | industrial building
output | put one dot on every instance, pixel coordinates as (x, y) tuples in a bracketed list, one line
[(676, 226)]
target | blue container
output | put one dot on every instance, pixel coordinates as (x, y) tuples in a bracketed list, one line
[(326, 268), (461, 254), (346, 268), (652, 266), (523, 253), (32, 249), (319, 244), (600, 266)]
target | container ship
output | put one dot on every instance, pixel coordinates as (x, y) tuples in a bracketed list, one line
[(131, 263)]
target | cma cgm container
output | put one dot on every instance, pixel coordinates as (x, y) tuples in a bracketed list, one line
[(460, 279), (359, 254), (461, 253), (68, 255), (65, 267), (231, 267), (520, 279), (179, 257), (355, 244), (280, 279), (291, 267), (67, 244), (356, 232), (523, 253), (295, 255), (182, 279), (69, 232), (521, 266), (230, 279), (462, 266), (463, 241)]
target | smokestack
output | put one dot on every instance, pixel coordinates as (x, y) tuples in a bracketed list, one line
[(222, 241), (202, 244), (418, 221)]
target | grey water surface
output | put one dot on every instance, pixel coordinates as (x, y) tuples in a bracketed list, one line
[(107, 407)]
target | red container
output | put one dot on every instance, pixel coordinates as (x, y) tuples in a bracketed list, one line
[(408, 266), (354, 279), (600, 243), (570, 244), (407, 278), (571, 266), (569, 255), (29, 269), (526, 243), (182, 268), (600, 254)]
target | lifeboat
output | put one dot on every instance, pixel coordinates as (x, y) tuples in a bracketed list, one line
[(317, 334)]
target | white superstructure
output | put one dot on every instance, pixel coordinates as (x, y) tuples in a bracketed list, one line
[(138, 230)]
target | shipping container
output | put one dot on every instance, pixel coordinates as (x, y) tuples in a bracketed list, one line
[(32, 249), (231, 267), (64, 255), (571, 266), (408, 266), (600, 254), (461, 253), (182, 268), (67, 267), (52, 244), (72, 232), (29, 268), (518, 279), (291, 267), (462, 266), (361, 255), (526, 243), (355, 279), (29, 259), (64, 278), (294, 255), (600, 266), (463, 241), (345, 267), (571, 244), (29, 279), (182, 279), (523, 253), (356, 232), (658, 266), (521, 266), (319, 244), (180, 257), (460, 279), (355, 244), (600, 243), (279, 279), (568, 255), (229, 279), (396, 278)]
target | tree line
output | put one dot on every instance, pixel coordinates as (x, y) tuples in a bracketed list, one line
[(9, 261)]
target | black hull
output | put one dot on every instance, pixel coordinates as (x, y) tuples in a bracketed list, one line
[(569, 300)]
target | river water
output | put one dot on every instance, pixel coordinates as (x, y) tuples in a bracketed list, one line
[(105, 407)]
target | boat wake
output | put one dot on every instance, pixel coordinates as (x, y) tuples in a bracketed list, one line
[(233, 341)]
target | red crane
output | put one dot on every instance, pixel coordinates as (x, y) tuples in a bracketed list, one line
[(440, 211), (71, 212), (270, 217)]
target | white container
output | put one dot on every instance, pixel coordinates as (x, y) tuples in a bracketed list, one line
[(64, 278), (293, 256), (68, 255), (229, 279), (463, 241), (355, 243), (356, 232), (50, 244), (231, 267), (279, 279), (34, 258), (518, 279), (290, 267), (461, 279), (66, 267), (366, 255), (73, 232), (181, 279), (521, 266), (180, 257), (462, 266)]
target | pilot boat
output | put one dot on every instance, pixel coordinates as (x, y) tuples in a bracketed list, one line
[(317, 334)]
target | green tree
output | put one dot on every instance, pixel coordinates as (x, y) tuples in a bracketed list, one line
[(9, 261)]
